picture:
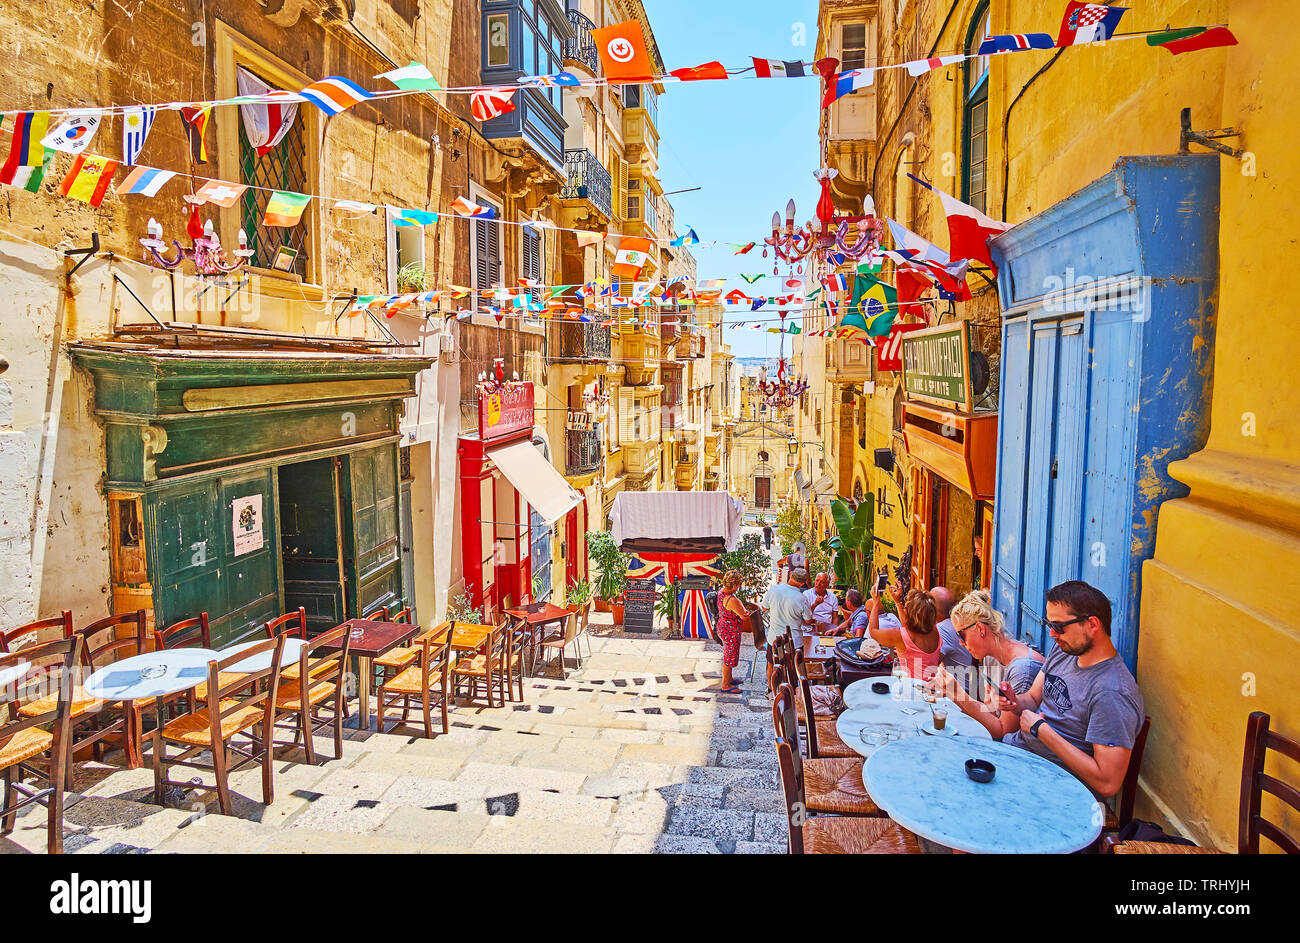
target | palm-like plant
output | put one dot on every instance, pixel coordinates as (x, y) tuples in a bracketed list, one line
[(853, 563)]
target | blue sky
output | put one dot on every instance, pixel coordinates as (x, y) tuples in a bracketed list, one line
[(750, 144)]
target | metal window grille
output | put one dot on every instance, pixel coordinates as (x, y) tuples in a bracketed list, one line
[(284, 167)]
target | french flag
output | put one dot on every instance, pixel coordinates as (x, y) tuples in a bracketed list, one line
[(334, 94), (969, 230), (1014, 42)]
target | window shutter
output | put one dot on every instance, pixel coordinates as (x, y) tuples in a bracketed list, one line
[(494, 252), (482, 256), (626, 408)]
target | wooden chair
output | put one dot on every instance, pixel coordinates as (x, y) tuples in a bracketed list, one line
[(28, 737), (1251, 824), (520, 638), (828, 784), (823, 737), (322, 703), (426, 680), (397, 659), (484, 666), (12, 640), (93, 721), (291, 624), (835, 834), (568, 635), (188, 633), (584, 627), (236, 709), (1122, 814)]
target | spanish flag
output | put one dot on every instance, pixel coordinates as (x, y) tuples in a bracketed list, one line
[(88, 179)]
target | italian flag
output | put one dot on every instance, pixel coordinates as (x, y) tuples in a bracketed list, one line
[(1190, 40)]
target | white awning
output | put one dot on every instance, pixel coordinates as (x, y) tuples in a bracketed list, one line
[(536, 479)]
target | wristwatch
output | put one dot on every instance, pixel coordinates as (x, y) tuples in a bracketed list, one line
[(1038, 723)]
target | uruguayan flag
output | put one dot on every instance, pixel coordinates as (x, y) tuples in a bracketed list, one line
[(136, 122)]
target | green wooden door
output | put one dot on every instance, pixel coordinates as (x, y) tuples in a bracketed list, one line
[(310, 542), (214, 547), (372, 529)]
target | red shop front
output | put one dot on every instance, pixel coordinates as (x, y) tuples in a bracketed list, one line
[(504, 477)]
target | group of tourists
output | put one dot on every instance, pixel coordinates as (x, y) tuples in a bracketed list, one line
[(1078, 707)]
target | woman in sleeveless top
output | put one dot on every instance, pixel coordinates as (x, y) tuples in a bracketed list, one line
[(983, 633), (732, 616), (914, 639)]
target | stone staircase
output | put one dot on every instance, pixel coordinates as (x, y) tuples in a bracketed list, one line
[(635, 752)]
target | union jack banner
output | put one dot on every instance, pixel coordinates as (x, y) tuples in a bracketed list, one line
[(696, 620)]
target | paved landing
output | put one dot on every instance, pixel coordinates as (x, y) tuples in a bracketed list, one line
[(636, 751)]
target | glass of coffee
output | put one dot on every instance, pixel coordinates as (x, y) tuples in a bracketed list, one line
[(940, 715)]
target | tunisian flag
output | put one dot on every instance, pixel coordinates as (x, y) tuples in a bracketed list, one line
[(968, 229), (623, 52)]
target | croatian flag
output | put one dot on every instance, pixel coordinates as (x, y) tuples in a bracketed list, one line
[(1014, 42), (845, 82), (969, 230), (1088, 23), (334, 94)]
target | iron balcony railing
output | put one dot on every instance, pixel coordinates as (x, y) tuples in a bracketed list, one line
[(581, 341), (582, 452), (582, 47), (587, 179)]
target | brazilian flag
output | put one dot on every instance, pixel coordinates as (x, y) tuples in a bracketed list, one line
[(875, 303)]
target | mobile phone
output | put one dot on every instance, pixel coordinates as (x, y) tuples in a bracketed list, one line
[(882, 580)]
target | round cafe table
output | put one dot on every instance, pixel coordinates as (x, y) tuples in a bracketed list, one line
[(900, 713), (153, 674), (1032, 806), (15, 672), (292, 649)]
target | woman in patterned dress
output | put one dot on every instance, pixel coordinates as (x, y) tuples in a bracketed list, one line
[(732, 618)]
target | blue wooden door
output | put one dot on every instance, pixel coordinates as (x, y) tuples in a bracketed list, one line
[(1013, 455), (1038, 480)]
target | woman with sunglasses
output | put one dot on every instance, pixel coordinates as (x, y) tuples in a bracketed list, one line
[(983, 633)]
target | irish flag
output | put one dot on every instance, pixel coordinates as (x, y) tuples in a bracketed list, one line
[(969, 230)]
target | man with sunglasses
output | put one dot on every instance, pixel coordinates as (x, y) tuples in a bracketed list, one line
[(1084, 710)]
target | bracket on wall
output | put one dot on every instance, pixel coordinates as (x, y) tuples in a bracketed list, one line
[(86, 254), (1208, 139), (350, 299)]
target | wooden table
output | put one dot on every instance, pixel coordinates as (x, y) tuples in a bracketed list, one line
[(537, 621), (375, 639), (819, 655)]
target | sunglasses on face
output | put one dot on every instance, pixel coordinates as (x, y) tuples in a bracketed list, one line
[(1056, 628), (961, 633)]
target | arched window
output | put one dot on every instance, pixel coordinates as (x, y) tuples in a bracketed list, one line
[(975, 115), (762, 457)]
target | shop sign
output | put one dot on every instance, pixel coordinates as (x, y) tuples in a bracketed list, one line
[(889, 351), (506, 412), (936, 365), (579, 420)]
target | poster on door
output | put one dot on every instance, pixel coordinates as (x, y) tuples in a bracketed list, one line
[(246, 515)]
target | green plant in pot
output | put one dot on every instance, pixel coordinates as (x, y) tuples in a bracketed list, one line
[(411, 277), (611, 565), (668, 604), (578, 595), (752, 562), (853, 559)]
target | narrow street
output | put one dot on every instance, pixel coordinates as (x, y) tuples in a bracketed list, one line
[(632, 753)]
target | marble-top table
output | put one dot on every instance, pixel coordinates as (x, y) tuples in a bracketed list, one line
[(1032, 806), (15, 672), (292, 649), (897, 715), (153, 674)]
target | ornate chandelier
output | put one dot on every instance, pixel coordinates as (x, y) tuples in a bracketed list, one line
[(496, 382), (826, 235), (780, 393), (205, 249)]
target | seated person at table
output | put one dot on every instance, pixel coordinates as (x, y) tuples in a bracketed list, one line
[(951, 652), (822, 601), (787, 609), (854, 616), (1084, 711), (916, 641), (982, 630)]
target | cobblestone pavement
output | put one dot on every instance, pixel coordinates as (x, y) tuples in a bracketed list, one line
[(635, 752)]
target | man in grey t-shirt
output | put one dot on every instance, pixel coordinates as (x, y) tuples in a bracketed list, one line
[(1084, 710)]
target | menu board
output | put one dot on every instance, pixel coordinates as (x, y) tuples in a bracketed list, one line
[(639, 606)]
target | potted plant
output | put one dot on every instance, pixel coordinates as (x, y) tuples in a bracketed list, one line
[(755, 568), (668, 605), (612, 566), (411, 277), (854, 555), (539, 589)]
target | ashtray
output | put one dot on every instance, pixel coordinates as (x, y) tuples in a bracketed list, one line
[(980, 770), (879, 687)]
